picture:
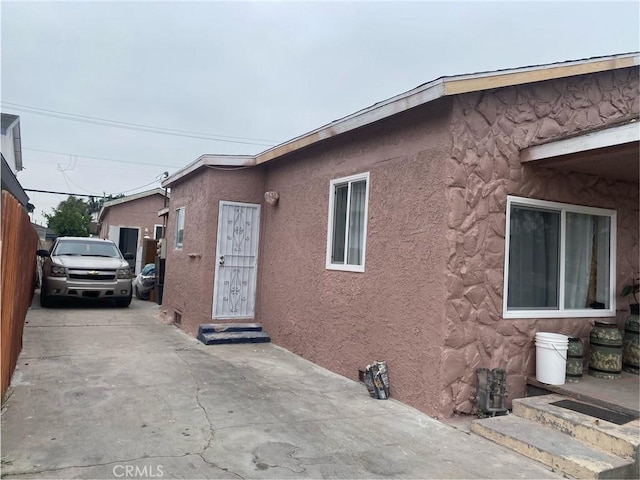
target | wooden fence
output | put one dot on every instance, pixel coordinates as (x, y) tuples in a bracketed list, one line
[(18, 245)]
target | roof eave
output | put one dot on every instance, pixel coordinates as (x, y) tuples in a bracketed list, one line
[(447, 86), (379, 111), (128, 198), (517, 76), (444, 86), (17, 146), (205, 161)]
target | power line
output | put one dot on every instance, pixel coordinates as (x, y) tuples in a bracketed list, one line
[(64, 175), (135, 126), (101, 158), (58, 193), (68, 180)]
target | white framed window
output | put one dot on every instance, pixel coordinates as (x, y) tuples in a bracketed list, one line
[(158, 231), (347, 225), (179, 237), (560, 260)]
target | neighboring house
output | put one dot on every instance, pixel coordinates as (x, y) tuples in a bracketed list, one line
[(393, 233), (127, 220), (46, 235), (11, 149)]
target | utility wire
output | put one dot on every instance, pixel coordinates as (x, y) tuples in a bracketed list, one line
[(138, 188), (134, 126), (101, 158), (68, 180), (58, 193), (76, 185)]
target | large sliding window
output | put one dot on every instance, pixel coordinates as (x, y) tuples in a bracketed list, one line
[(559, 260), (347, 226)]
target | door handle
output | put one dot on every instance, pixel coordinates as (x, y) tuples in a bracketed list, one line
[(221, 260)]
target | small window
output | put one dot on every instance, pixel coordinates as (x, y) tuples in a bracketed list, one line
[(179, 227), (559, 260), (347, 225), (158, 232)]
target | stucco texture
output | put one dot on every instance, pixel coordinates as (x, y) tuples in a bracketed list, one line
[(489, 129), (430, 300), (190, 270), (141, 213), (394, 310)]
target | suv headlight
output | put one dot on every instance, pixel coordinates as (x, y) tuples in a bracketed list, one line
[(57, 271), (124, 273)]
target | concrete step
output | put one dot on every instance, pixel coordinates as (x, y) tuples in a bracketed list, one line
[(217, 338), (619, 395), (553, 448), (229, 327), (620, 440)]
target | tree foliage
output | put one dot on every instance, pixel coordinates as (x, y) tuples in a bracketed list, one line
[(94, 204), (70, 218)]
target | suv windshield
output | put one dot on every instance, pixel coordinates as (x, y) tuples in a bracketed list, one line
[(86, 249)]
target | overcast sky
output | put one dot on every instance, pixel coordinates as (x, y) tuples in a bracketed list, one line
[(262, 72)]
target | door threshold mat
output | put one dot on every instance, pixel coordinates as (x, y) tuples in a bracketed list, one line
[(593, 411)]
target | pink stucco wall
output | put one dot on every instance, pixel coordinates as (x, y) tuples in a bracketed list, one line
[(189, 271), (430, 300), (489, 129), (341, 320), (394, 310), (141, 213)]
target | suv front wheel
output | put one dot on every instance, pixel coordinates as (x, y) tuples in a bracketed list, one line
[(124, 302), (45, 301)]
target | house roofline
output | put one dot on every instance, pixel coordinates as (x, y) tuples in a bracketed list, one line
[(14, 126), (210, 161), (128, 198), (446, 86), (423, 94)]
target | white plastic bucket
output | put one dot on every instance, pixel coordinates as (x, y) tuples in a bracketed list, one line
[(551, 357)]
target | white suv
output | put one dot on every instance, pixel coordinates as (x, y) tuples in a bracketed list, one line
[(82, 267)]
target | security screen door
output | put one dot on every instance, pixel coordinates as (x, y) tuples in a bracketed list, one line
[(234, 287)]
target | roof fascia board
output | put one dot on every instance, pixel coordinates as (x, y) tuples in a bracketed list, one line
[(17, 145), (16, 119), (398, 104), (490, 80), (129, 198), (210, 161), (446, 86), (11, 183), (608, 137), (423, 94)]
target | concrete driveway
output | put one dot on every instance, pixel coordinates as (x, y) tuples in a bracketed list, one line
[(115, 393)]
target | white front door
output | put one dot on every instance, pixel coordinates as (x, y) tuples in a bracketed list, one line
[(234, 283)]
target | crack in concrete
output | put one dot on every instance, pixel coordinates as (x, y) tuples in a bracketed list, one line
[(206, 415), (204, 410), (215, 465), (287, 468), (57, 469)]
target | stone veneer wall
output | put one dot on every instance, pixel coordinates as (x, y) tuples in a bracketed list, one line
[(489, 129)]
